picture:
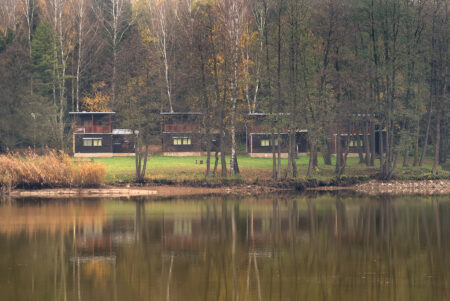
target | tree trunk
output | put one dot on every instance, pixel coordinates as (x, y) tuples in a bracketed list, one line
[(326, 153), (79, 59), (338, 152), (233, 139), (438, 137), (294, 156), (274, 156), (216, 162), (314, 156), (406, 156), (208, 153), (366, 144), (381, 146), (360, 148), (394, 167), (416, 145), (144, 167), (427, 132), (373, 151), (280, 8), (279, 156), (288, 167), (223, 161), (114, 75), (311, 159), (344, 157)]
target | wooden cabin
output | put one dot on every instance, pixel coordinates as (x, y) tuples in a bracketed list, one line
[(182, 134), (93, 136), (356, 136), (259, 136)]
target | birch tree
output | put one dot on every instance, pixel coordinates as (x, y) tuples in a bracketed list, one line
[(234, 13), (80, 9), (9, 12), (62, 24), (116, 18)]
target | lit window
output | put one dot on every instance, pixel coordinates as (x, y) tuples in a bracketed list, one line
[(182, 141), (266, 142), (92, 142)]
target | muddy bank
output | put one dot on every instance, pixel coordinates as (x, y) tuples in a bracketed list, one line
[(371, 187), (398, 187), (141, 191)]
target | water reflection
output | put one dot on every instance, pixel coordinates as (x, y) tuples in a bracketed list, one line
[(323, 247)]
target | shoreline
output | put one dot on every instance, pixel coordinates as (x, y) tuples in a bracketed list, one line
[(370, 187)]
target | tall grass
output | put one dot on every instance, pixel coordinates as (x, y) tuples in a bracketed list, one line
[(53, 169)]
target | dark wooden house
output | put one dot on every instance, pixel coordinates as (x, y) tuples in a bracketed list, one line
[(354, 136), (353, 141), (93, 136), (259, 136), (182, 134)]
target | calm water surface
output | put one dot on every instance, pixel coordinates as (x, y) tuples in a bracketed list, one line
[(308, 247)]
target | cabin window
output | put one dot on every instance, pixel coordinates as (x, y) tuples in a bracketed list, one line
[(97, 142), (92, 142), (182, 141), (266, 142)]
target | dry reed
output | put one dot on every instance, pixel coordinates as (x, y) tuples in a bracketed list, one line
[(53, 169)]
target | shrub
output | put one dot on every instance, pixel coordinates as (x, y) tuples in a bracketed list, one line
[(53, 169)]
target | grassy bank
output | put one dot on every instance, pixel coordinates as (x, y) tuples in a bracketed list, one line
[(253, 170), (59, 170)]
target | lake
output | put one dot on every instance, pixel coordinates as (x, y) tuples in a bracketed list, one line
[(317, 246)]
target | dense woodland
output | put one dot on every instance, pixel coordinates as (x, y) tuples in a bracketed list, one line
[(334, 65)]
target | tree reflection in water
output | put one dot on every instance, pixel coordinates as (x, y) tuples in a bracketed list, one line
[(312, 247)]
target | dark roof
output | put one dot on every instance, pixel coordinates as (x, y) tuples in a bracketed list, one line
[(268, 114), (181, 113), (88, 113)]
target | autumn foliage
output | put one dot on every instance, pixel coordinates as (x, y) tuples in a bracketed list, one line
[(98, 102), (53, 169)]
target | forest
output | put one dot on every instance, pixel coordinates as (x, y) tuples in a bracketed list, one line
[(333, 65)]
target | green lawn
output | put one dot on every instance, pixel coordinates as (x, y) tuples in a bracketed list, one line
[(252, 169)]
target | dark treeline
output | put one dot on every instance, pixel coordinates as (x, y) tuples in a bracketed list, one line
[(335, 65)]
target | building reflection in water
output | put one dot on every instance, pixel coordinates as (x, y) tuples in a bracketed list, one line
[(316, 247)]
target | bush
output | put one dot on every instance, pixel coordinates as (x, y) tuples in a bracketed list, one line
[(50, 170)]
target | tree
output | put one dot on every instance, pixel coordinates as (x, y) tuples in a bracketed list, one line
[(116, 18)]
